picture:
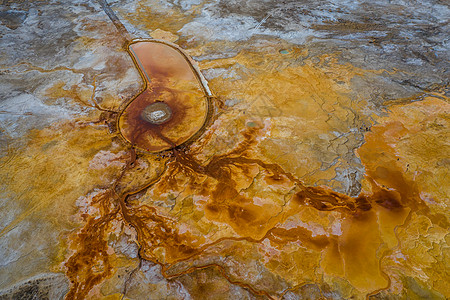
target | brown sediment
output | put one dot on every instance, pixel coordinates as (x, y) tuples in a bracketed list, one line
[(239, 211), (91, 263), (222, 271), (349, 26), (385, 206), (170, 78), (228, 205)]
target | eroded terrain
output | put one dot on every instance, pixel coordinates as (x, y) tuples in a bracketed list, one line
[(312, 164)]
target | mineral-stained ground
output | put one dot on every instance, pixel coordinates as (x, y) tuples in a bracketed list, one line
[(316, 168)]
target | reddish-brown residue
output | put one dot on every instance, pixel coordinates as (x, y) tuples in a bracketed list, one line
[(171, 79), (181, 90), (228, 205), (91, 263)]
